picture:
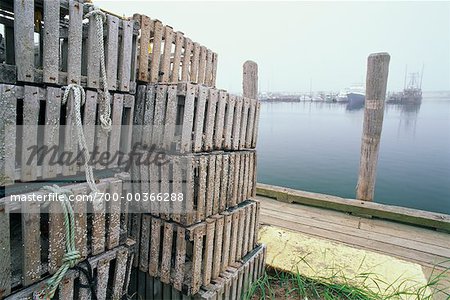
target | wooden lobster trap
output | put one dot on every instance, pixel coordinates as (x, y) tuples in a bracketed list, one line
[(208, 184), (35, 125), (167, 56), (110, 269), (188, 118), (193, 256), (48, 41), (232, 284), (33, 234)]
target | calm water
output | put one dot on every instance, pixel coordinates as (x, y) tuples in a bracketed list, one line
[(315, 147)]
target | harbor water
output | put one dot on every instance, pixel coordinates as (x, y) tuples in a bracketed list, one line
[(316, 146)]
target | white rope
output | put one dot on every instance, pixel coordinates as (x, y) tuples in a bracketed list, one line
[(100, 18)]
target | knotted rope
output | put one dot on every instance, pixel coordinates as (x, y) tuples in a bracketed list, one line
[(72, 256), (100, 18)]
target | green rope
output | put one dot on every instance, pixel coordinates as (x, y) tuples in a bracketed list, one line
[(72, 256)]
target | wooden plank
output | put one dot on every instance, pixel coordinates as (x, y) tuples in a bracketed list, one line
[(251, 176), (234, 236), (156, 50), (250, 80), (8, 102), (195, 63), (135, 234), (166, 255), (202, 187), (5, 254), (179, 41), (90, 109), (210, 119), (200, 118), (29, 137), (218, 240), (189, 193), (188, 119), (208, 67), (50, 60), (114, 138), (217, 181), (246, 176), (247, 217), (237, 123), (196, 281), (210, 190), (70, 138), (208, 252), (214, 70), (241, 230), (177, 188), (171, 116), (202, 65), (112, 50), (119, 274), (160, 109), (148, 116), (220, 120), (236, 175), (113, 230), (164, 191), (24, 39), (66, 288), (126, 47), (75, 42), (185, 72), (80, 217), (228, 126), (180, 258), (251, 240), (167, 53), (240, 195), (144, 42), (256, 125), (224, 185), (93, 55), (144, 243), (154, 174), (244, 120), (31, 239), (153, 267), (102, 278), (56, 237), (257, 221), (51, 130), (251, 123), (98, 222)]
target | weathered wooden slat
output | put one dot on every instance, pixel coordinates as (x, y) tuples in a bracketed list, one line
[(217, 181), (177, 188), (228, 125), (214, 70), (126, 47), (209, 251), (189, 193), (245, 242), (148, 115), (24, 39), (231, 182), (66, 288), (236, 181), (217, 259), (56, 237), (185, 72), (135, 234), (188, 119), (75, 42), (102, 278), (195, 63), (5, 254), (197, 238), (179, 40), (250, 80), (127, 123), (252, 176), (51, 130), (246, 176), (112, 50), (237, 123), (98, 222), (240, 194), (119, 274), (224, 183), (114, 139), (171, 116), (256, 125), (101, 138), (202, 65), (226, 242), (243, 130), (240, 236), (79, 208), (113, 230), (200, 118), (29, 135), (50, 60), (153, 267), (154, 174), (251, 239), (208, 67), (90, 108), (70, 138), (93, 55), (165, 191), (167, 53), (251, 123), (180, 258), (156, 50), (220, 120), (202, 187), (166, 252), (144, 42), (234, 236), (210, 119), (8, 103), (160, 109), (144, 243), (31, 239), (210, 185)]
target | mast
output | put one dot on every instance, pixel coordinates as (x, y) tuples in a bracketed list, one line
[(421, 76), (406, 72)]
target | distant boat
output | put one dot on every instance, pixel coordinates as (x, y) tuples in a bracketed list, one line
[(412, 93), (356, 95), (342, 96)]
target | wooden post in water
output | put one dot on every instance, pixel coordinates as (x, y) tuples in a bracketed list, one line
[(376, 81), (250, 80)]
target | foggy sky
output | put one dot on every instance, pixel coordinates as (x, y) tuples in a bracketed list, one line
[(325, 42)]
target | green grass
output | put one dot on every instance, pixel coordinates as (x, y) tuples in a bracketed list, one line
[(283, 285)]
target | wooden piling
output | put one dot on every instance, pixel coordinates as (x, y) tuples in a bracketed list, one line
[(376, 81)]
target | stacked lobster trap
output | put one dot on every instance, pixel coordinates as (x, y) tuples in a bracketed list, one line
[(49, 47), (204, 246)]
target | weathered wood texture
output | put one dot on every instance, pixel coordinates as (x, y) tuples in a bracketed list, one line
[(225, 286), (37, 135), (188, 257), (376, 83), (97, 230), (250, 80), (68, 49), (111, 283), (189, 118), (167, 56)]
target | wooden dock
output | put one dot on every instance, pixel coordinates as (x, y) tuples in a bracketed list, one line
[(307, 214)]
